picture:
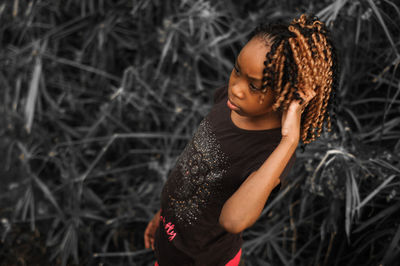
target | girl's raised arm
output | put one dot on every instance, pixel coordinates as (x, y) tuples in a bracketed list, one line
[(244, 207)]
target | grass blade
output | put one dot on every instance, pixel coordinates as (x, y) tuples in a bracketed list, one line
[(32, 96), (390, 253), (47, 192), (376, 191), (382, 22)]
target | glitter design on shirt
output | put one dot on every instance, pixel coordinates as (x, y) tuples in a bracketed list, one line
[(202, 166)]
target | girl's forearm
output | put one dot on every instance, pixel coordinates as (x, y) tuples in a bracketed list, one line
[(244, 207)]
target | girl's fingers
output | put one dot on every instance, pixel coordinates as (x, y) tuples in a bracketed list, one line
[(150, 231), (304, 97), (298, 97), (147, 240), (307, 95), (148, 236)]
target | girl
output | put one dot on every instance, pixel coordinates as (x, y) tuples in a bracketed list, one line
[(279, 93)]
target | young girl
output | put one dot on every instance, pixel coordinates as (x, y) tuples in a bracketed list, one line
[(279, 92)]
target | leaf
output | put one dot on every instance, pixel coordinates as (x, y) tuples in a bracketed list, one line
[(46, 191), (33, 92), (69, 245), (382, 22), (391, 250), (164, 52), (28, 197), (348, 208), (52, 237), (280, 252), (381, 215), (376, 191), (87, 213)]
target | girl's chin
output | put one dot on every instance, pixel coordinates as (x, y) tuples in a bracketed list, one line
[(239, 112)]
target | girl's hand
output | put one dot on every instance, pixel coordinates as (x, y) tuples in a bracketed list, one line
[(151, 230), (291, 118)]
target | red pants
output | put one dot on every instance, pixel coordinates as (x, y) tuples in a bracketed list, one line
[(233, 262)]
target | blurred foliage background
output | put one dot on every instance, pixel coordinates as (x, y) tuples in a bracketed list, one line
[(99, 97)]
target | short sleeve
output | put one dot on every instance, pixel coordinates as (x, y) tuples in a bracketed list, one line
[(220, 93)]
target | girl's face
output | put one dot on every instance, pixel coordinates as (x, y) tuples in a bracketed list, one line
[(245, 82)]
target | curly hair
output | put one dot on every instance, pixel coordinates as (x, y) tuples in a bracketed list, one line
[(302, 56)]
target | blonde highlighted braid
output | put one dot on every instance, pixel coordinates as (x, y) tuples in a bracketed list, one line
[(302, 56)]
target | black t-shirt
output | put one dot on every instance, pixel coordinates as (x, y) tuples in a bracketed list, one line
[(213, 165)]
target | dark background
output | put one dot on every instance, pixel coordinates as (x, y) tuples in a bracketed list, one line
[(98, 98)]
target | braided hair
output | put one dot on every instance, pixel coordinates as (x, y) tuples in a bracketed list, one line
[(302, 56)]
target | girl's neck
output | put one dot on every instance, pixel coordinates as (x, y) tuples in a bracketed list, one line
[(270, 121)]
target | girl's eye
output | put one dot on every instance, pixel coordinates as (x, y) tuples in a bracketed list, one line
[(253, 88)]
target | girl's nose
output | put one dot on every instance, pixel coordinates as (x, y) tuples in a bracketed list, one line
[(237, 90)]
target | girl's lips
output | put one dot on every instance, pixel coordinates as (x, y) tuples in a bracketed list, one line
[(232, 106)]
